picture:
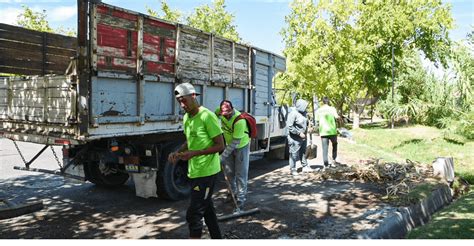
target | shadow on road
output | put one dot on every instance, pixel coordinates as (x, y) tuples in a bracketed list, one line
[(301, 207)]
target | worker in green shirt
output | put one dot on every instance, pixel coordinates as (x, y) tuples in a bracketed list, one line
[(201, 149), (236, 154), (326, 116)]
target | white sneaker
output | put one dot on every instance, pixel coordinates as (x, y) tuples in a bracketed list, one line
[(307, 169), (294, 173)]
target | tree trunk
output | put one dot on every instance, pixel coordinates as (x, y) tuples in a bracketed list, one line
[(372, 113), (358, 110), (340, 112), (356, 122)]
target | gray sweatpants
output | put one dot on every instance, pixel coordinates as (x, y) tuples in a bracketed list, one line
[(236, 168)]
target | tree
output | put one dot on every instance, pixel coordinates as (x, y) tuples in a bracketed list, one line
[(37, 21), (210, 18), (343, 49), (214, 19), (33, 20), (462, 62), (168, 13), (445, 102)]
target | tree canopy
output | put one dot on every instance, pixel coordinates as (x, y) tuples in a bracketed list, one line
[(169, 14), (33, 20), (213, 18), (37, 21), (343, 49)]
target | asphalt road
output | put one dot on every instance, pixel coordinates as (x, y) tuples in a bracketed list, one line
[(290, 207)]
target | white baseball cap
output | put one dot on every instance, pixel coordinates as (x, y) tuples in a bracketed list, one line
[(184, 89)]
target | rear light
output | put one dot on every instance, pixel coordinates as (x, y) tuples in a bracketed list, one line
[(113, 145), (62, 141), (65, 152)]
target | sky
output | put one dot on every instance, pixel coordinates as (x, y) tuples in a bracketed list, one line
[(258, 22)]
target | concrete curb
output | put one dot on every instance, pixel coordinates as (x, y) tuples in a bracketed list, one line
[(405, 219)]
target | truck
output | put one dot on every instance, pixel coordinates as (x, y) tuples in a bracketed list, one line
[(107, 95)]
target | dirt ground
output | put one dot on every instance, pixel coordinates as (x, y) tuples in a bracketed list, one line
[(304, 207), (290, 207)]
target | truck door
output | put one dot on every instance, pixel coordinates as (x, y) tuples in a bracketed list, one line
[(262, 72)]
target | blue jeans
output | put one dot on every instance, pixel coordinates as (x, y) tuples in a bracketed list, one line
[(236, 168), (297, 152)]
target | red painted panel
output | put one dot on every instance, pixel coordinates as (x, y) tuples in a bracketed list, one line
[(151, 39), (111, 51), (170, 42), (170, 48), (152, 53), (160, 24), (125, 15), (110, 36), (151, 49), (169, 58), (100, 61), (112, 41), (116, 13), (121, 64), (124, 63), (102, 9), (159, 68)]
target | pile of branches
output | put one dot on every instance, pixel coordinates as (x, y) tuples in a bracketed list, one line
[(398, 178)]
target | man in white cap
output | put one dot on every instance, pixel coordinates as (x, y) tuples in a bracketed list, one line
[(203, 143)]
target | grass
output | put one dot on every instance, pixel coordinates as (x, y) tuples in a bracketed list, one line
[(421, 144), (454, 222), (417, 143)]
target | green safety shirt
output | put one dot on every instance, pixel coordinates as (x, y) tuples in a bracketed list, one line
[(200, 131), (240, 130), (326, 116)]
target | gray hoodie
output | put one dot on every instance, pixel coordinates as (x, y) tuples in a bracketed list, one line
[(297, 122)]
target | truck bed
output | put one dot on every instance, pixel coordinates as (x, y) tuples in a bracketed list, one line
[(136, 61)]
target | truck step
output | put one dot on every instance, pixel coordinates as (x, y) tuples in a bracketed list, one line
[(10, 209)]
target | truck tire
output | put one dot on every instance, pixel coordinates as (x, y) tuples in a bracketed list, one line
[(97, 176), (172, 181)]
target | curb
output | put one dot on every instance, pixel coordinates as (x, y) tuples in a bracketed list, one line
[(405, 219)]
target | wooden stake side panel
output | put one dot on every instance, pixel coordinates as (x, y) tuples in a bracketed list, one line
[(117, 43)]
